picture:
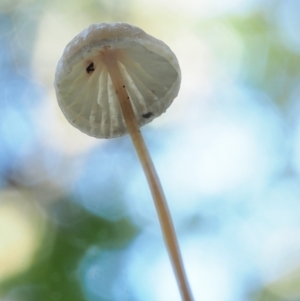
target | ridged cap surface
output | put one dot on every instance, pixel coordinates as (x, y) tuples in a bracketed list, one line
[(84, 89)]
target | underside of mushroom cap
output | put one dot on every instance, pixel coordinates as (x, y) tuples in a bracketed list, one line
[(84, 89)]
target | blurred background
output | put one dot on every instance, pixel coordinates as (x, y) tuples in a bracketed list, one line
[(77, 221)]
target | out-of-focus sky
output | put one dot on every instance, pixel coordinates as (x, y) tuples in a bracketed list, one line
[(77, 221)]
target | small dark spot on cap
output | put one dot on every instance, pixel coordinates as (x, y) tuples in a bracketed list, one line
[(90, 68), (147, 115), (123, 86)]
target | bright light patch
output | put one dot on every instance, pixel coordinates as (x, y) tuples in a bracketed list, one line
[(59, 134), (193, 8), (207, 268), (234, 149), (18, 235)]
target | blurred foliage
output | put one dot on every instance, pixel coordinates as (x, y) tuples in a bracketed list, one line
[(265, 63), (286, 288), (268, 64), (53, 276), (71, 230)]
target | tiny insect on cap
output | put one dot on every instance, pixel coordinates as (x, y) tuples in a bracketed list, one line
[(85, 93)]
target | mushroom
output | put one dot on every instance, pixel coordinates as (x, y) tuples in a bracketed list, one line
[(111, 80)]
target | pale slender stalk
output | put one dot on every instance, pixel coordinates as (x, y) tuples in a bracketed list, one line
[(110, 59)]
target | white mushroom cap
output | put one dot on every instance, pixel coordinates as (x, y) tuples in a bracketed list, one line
[(85, 92)]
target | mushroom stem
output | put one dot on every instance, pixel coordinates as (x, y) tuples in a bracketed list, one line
[(110, 59)]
